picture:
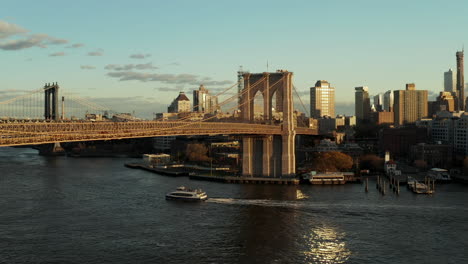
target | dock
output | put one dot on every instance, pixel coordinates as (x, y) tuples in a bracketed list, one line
[(166, 172), (224, 179), (428, 187), (246, 180)]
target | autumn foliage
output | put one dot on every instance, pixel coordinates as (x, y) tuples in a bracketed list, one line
[(197, 152), (331, 161)]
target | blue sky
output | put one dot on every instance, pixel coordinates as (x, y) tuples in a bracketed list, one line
[(381, 44)]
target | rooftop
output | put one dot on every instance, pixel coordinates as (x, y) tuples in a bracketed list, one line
[(182, 97)]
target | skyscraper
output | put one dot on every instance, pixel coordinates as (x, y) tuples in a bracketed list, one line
[(460, 81), (449, 81), (379, 102), (362, 104), (410, 105), (203, 102), (388, 101), (322, 100)]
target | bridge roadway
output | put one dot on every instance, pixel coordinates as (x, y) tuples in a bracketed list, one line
[(29, 133)]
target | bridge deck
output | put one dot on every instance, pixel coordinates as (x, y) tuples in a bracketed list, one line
[(15, 134)]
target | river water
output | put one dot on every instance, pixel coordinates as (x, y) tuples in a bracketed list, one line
[(95, 210)]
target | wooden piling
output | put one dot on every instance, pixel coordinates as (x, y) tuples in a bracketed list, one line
[(367, 184)]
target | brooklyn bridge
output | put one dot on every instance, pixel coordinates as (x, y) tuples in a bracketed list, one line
[(265, 138)]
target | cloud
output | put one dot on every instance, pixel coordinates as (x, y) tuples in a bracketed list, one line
[(128, 67), (34, 40), (167, 89), (140, 56), (87, 67), (8, 29), (164, 78), (23, 39), (55, 41), (76, 45), (57, 54), (154, 77), (98, 52)]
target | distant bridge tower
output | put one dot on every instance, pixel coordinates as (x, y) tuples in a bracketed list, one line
[(240, 83), (270, 156), (51, 101)]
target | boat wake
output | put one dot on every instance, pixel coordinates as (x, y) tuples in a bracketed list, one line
[(258, 202), (304, 204)]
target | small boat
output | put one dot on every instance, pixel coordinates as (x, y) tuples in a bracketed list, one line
[(439, 175), (185, 194)]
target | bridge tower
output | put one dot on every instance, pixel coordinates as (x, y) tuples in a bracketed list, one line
[(51, 101), (269, 156)]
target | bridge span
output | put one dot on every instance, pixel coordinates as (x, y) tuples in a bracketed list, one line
[(18, 134)]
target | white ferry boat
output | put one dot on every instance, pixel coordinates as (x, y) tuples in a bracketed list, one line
[(440, 175), (185, 194)]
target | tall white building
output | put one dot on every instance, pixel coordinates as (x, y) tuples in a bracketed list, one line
[(322, 100), (379, 102), (203, 102), (388, 101), (449, 81)]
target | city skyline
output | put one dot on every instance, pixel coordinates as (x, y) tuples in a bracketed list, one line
[(172, 47)]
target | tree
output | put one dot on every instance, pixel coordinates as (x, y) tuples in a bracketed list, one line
[(197, 152), (371, 162), (331, 161)]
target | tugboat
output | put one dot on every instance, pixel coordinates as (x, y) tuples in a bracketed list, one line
[(185, 194)]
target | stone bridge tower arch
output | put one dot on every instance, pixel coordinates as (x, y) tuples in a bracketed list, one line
[(277, 159)]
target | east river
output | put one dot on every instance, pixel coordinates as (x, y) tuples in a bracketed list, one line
[(94, 210)]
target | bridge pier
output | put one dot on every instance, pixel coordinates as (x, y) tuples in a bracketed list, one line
[(288, 155), (247, 156), (267, 156)]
